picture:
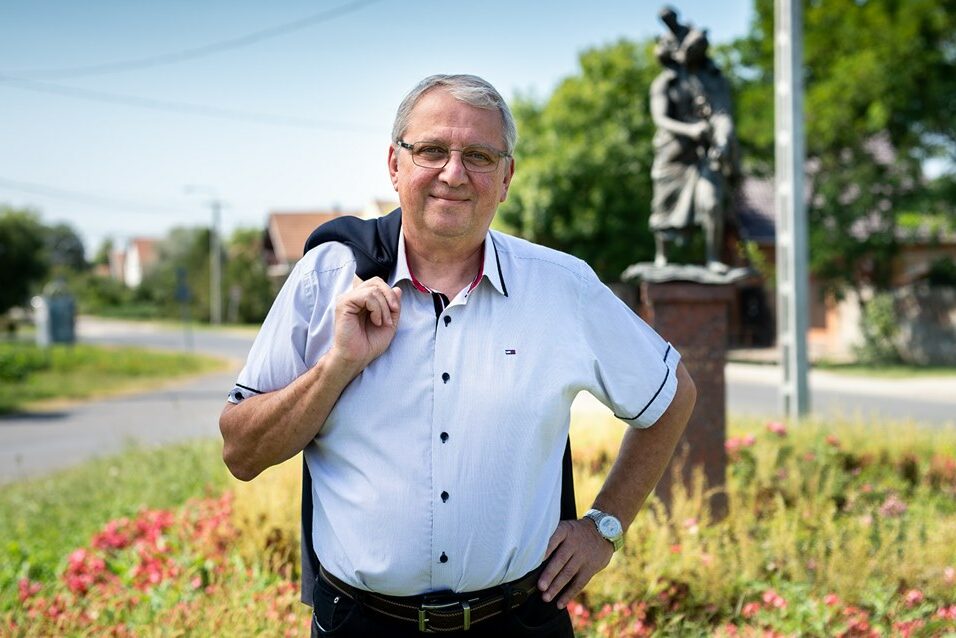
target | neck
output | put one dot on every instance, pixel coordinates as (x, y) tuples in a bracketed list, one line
[(444, 269)]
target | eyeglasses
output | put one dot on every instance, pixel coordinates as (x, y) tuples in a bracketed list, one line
[(477, 159)]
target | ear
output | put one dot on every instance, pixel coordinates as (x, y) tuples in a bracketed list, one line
[(393, 165), (509, 173)]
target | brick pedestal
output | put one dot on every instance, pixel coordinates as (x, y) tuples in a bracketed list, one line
[(693, 317)]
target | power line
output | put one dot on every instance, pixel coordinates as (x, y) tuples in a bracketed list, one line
[(196, 52), (79, 197), (183, 108)]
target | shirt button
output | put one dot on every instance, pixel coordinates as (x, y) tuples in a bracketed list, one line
[(445, 377), (443, 558), (443, 436), (444, 497), (447, 320)]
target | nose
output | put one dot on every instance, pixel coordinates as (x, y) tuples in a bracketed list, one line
[(454, 172)]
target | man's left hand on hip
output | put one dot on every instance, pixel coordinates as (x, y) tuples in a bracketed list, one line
[(576, 552)]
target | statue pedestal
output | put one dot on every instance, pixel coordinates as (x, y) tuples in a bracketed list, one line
[(692, 315)]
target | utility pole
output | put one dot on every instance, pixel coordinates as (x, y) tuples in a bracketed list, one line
[(215, 266), (791, 208)]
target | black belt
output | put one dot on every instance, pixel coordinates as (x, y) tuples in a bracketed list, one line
[(443, 611)]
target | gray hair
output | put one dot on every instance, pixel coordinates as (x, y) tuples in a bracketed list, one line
[(469, 89)]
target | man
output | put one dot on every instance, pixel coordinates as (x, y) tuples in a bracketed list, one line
[(433, 408)]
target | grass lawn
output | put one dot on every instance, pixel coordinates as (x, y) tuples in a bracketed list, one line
[(31, 378)]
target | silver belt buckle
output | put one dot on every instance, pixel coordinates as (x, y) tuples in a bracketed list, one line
[(426, 607)]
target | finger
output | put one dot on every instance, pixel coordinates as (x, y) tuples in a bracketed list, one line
[(576, 586), (553, 568), (356, 281), (556, 538), (382, 305), (373, 306), (567, 573)]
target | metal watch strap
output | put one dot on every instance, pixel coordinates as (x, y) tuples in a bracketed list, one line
[(597, 516)]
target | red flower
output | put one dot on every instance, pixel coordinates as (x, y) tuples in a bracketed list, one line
[(778, 428)]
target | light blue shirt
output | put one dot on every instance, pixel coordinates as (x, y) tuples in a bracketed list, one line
[(440, 465)]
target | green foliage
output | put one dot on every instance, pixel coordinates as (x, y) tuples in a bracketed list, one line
[(834, 529), (184, 260), (245, 278), (18, 360), (582, 180), (64, 249), (81, 371), (22, 258), (879, 326), (40, 519), (880, 80), (942, 272)]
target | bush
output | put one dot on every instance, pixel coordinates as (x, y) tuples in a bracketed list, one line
[(879, 326), (18, 360)]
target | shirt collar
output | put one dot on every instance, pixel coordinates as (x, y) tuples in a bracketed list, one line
[(490, 267)]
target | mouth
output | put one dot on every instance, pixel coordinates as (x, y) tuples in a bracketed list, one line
[(449, 198)]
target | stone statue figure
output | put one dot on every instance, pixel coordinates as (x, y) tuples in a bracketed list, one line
[(695, 147)]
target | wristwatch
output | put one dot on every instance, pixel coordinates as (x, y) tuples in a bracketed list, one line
[(607, 526)]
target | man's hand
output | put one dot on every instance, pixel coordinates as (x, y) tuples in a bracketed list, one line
[(577, 552), (366, 319)]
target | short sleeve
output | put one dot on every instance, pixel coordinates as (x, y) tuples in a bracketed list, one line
[(278, 354), (632, 368)]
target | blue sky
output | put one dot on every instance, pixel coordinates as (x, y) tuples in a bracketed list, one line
[(111, 169)]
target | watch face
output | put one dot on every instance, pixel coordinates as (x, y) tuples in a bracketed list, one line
[(609, 527)]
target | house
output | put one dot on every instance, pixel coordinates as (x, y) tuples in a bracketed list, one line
[(287, 231), (131, 264), (141, 255), (285, 237), (834, 324)]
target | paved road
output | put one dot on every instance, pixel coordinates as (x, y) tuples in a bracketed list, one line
[(39, 443), (34, 444)]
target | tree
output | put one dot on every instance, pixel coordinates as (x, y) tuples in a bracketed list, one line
[(183, 250), (582, 182), (880, 80), (65, 248), (249, 290), (22, 258)]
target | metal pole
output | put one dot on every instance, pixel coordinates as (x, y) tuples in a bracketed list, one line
[(791, 208), (215, 267)]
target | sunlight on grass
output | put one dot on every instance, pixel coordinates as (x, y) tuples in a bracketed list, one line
[(31, 376)]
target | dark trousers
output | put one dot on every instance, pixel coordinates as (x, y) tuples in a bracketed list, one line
[(338, 616)]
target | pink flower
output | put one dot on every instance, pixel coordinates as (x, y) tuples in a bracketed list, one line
[(913, 597), (772, 599), (946, 613), (691, 526), (949, 575), (27, 589), (833, 441), (831, 600), (892, 507), (778, 428), (750, 610), (905, 629)]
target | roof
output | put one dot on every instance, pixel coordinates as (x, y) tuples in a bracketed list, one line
[(145, 248), (754, 205), (288, 231)]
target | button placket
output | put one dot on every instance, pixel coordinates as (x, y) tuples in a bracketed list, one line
[(446, 393)]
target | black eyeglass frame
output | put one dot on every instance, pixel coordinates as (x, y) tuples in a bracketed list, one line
[(411, 146)]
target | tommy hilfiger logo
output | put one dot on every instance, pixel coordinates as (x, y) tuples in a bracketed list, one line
[(509, 351)]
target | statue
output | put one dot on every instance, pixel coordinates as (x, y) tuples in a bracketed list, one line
[(695, 147)]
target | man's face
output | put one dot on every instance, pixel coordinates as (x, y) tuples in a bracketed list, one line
[(451, 204)]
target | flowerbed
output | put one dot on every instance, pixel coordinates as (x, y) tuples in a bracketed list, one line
[(840, 531)]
